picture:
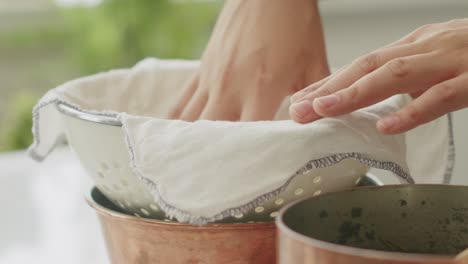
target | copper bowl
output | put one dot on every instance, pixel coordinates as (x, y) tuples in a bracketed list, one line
[(131, 239), (388, 225)]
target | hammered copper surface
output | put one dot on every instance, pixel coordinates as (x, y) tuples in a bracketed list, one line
[(142, 241)]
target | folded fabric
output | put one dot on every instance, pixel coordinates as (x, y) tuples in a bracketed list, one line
[(203, 170)]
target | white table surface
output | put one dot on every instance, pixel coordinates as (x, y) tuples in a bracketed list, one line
[(45, 218)]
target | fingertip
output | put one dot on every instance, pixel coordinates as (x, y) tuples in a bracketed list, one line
[(325, 105), (391, 124), (303, 112), (382, 129)]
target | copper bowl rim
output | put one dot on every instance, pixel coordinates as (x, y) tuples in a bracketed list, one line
[(359, 252), (103, 211)]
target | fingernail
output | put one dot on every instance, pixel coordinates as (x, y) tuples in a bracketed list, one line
[(302, 108), (388, 122), (327, 101)]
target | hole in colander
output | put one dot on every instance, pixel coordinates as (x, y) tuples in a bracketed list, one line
[(104, 166), (144, 211), (279, 201), (100, 174), (154, 207), (317, 179), (259, 209), (121, 205), (240, 215), (124, 182), (298, 191), (274, 214), (137, 215), (318, 192), (116, 165), (357, 181)]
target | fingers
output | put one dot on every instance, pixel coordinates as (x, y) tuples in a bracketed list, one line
[(219, 111), (309, 89), (302, 111), (195, 106), (440, 99), (187, 94), (402, 75), (300, 94)]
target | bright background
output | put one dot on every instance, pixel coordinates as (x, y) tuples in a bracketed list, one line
[(45, 43)]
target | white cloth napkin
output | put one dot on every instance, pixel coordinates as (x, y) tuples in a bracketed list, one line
[(206, 170)]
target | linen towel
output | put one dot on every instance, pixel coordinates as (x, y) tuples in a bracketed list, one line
[(206, 170)]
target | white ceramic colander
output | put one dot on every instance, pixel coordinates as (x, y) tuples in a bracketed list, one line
[(99, 144)]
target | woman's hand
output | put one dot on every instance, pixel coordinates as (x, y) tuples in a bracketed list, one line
[(430, 64), (260, 52)]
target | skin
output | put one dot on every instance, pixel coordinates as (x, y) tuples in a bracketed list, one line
[(260, 52), (430, 64)]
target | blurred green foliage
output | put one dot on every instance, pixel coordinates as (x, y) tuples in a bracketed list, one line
[(17, 133), (114, 34), (118, 33)]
